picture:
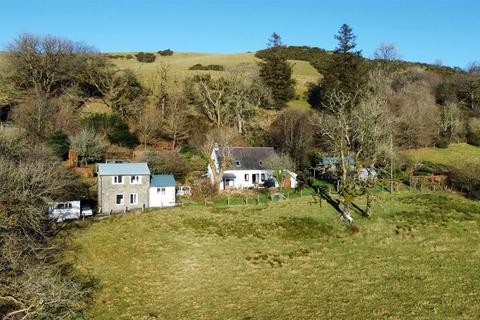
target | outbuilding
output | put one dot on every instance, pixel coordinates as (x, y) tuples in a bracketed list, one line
[(162, 191)]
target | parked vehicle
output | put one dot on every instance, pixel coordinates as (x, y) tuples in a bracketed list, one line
[(68, 210), (185, 191)]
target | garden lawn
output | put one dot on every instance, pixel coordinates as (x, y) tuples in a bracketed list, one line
[(418, 257)]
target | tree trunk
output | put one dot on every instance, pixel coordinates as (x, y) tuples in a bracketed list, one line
[(345, 216), (368, 208)]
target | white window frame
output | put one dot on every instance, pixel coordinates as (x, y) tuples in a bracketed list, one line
[(262, 177), (162, 190), (135, 180), (247, 177), (135, 196), (116, 198), (116, 178)]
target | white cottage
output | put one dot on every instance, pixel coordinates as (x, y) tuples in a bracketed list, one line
[(162, 191), (246, 168)]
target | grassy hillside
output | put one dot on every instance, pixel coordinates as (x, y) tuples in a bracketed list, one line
[(456, 155), (180, 62), (417, 258)]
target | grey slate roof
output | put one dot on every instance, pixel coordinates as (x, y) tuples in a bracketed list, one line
[(119, 169), (249, 157), (162, 180)]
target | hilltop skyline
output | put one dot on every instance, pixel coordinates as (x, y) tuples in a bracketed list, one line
[(423, 32)]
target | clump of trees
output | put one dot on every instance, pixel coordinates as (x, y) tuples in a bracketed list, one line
[(166, 52), (146, 57), (212, 67)]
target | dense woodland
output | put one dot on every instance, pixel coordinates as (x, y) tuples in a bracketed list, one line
[(365, 109)]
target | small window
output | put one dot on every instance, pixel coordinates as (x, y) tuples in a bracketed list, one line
[(161, 190), (135, 180), (247, 177), (237, 163), (133, 198), (61, 206), (117, 179), (262, 177), (260, 162), (119, 199), (69, 205)]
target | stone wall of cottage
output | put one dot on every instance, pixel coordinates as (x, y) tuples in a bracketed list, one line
[(107, 193)]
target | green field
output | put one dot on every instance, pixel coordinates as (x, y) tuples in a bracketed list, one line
[(456, 155), (417, 258)]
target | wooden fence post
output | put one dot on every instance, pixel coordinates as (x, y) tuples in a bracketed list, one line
[(228, 200), (258, 199)]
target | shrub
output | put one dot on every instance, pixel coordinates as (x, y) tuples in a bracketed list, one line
[(169, 162), (145, 57), (113, 127), (166, 52), (473, 132), (121, 135), (59, 143), (466, 180)]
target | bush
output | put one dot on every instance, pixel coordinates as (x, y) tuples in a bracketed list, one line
[(466, 180), (145, 57), (204, 189), (166, 52), (169, 162), (473, 132), (59, 143), (121, 135), (113, 127), (212, 67)]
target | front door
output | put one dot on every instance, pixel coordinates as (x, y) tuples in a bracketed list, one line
[(255, 178)]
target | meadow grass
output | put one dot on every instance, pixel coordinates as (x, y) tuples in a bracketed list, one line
[(456, 155), (417, 258)]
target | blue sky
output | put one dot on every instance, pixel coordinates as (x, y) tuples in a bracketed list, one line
[(423, 30)]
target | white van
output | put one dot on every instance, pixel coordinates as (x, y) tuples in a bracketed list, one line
[(68, 210)]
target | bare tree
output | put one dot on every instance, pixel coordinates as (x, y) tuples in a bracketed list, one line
[(449, 121), (212, 95), (386, 52), (356, 137), (216, 151), (279, 165), (176, 117), (45, 64), (292, 132), (119, 89), (148, 124)]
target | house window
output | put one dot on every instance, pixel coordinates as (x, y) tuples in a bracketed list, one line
[(262, 177), (135, 180), (133, 198), (61, 206), (247, 177), (119, 199), (260, 163), (118, 180), (161, 190), (237, 163)]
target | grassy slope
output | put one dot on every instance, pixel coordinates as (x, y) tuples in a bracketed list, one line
[(417, 258), (456, 155), (179, 63)]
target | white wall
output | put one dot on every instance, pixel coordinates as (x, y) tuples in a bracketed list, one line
[(158, 200), (240, 182)]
